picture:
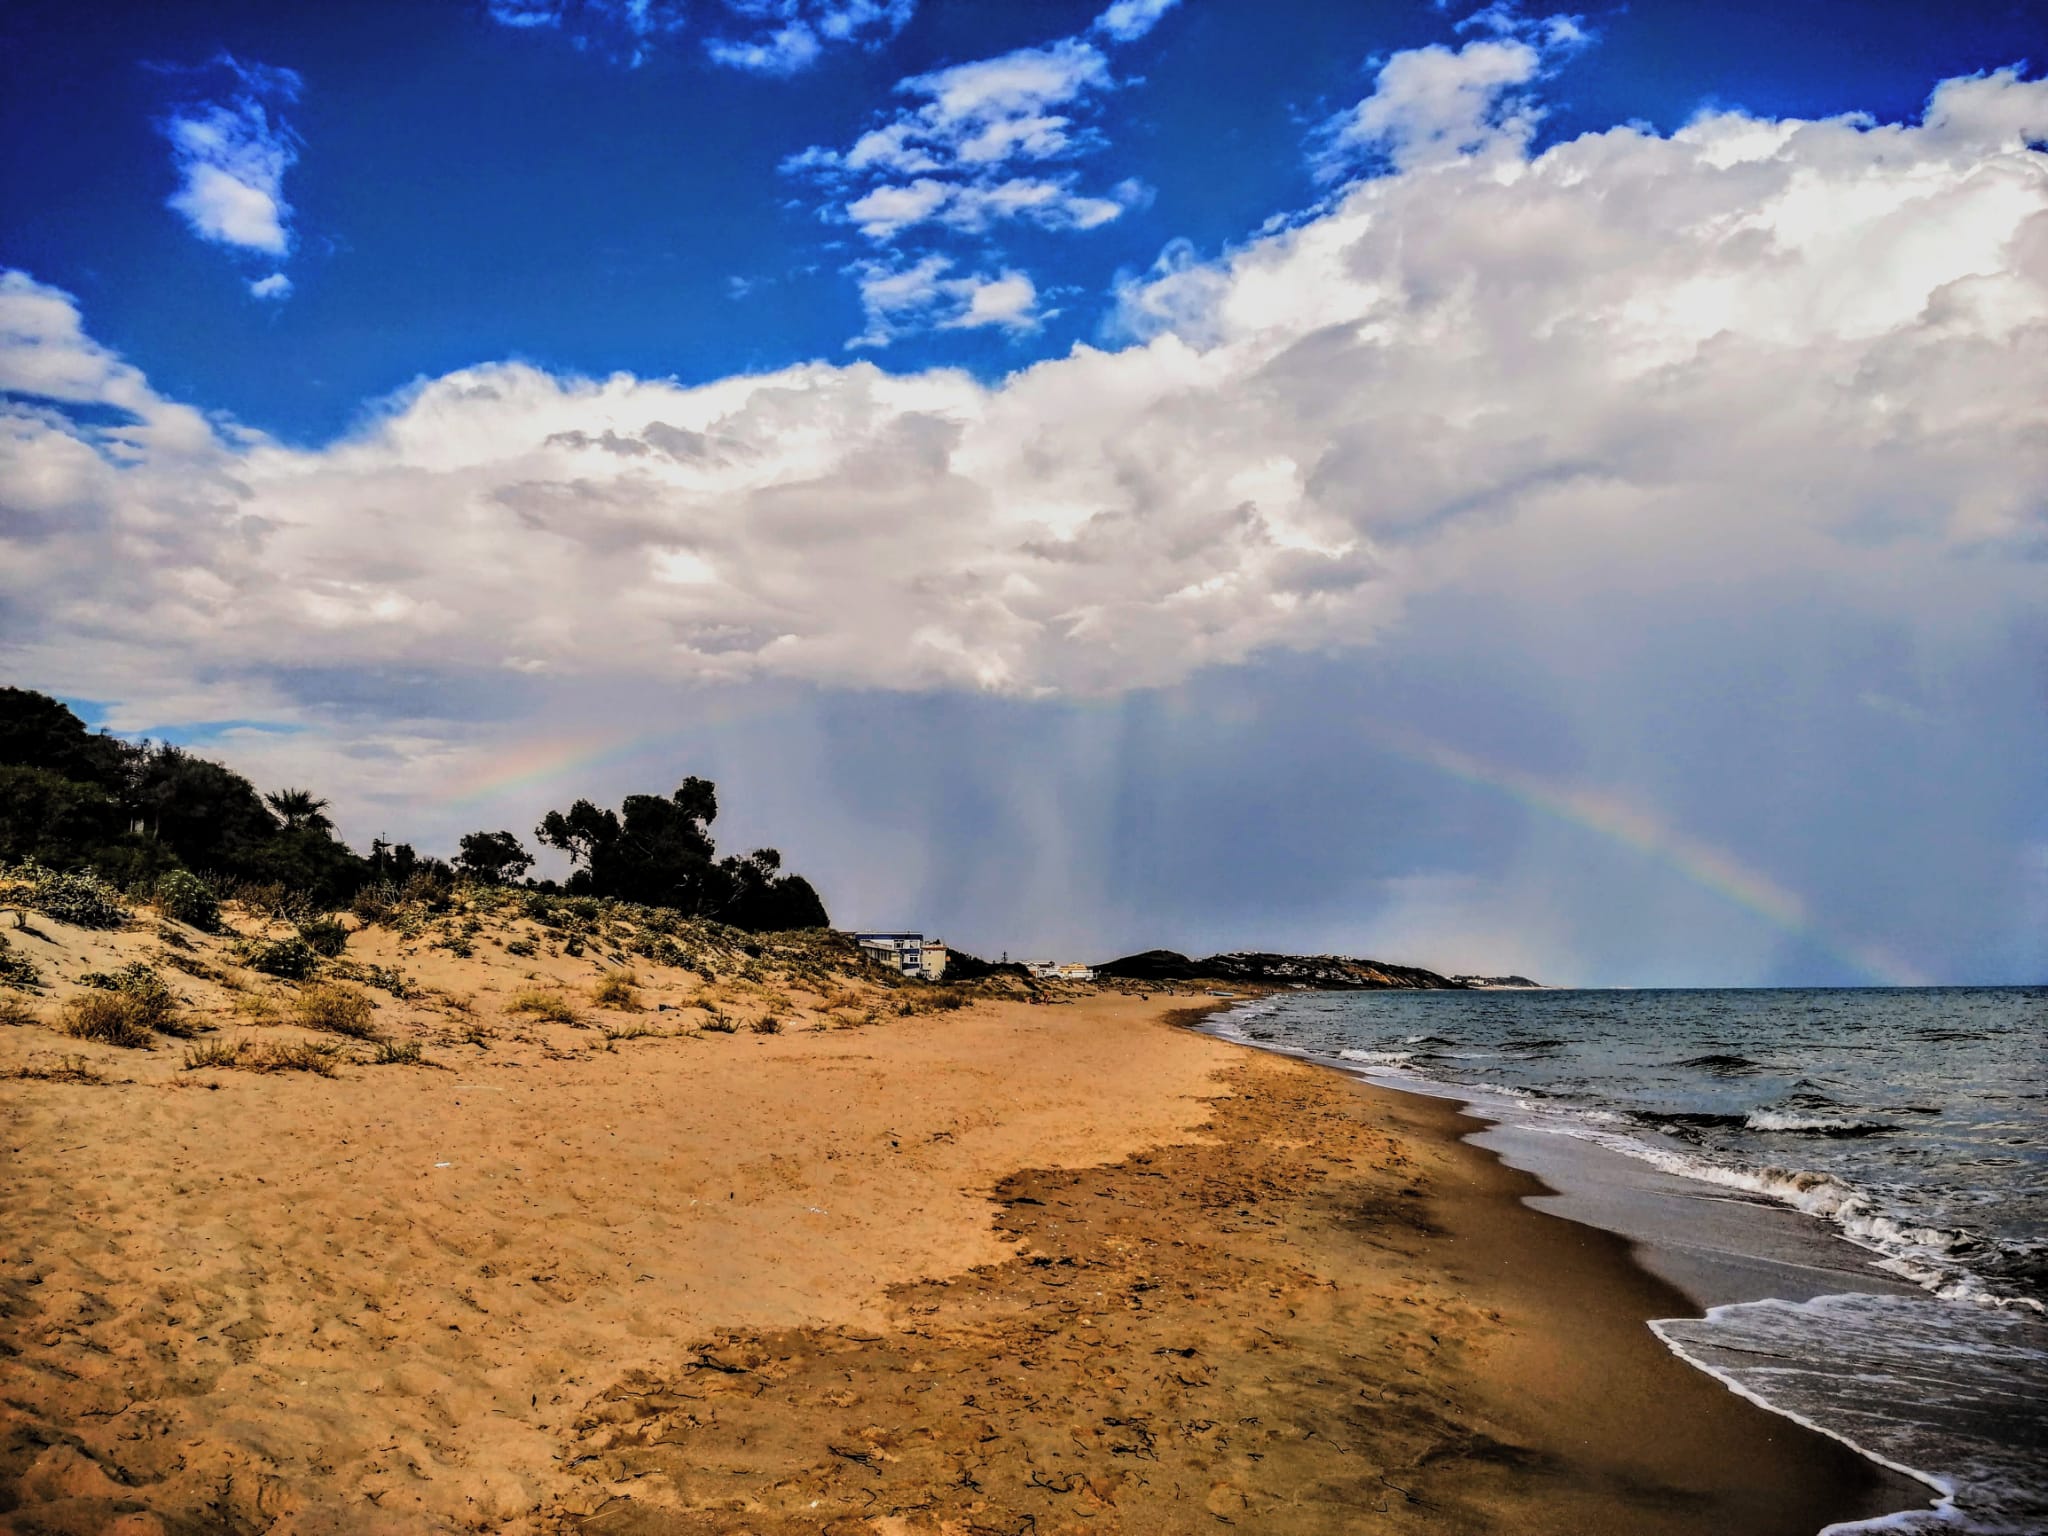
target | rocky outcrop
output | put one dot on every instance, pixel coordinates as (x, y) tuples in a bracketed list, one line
[(1322, 973)]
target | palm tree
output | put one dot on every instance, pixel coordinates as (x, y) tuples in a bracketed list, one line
[(299, 808)]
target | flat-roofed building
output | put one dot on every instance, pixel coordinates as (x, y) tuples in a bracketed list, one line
[(909, 954)]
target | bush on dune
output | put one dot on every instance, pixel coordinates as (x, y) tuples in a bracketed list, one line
[(111, 1018), (156, 1005), (543, 1005), (291, 959), (334, 1009), (17, 970), (184, 897), (616, 991), (325, 936), (82, 900)]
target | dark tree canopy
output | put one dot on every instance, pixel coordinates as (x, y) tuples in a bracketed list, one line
[(38, 732), (492, 857), (74, 798), (658, 851)]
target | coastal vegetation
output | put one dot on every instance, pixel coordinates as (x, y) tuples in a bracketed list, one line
[(89, 821)]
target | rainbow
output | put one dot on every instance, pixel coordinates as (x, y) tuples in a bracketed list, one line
[(537, 764), (1701, 863)]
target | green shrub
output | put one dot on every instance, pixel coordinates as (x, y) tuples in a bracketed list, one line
[(152, 995), (376, 902), (391, 1053), (82, 900), (292, 959), (523, 948), (663, 950), (336, 1010), (184, 897), (325, 936), (17, 970), (111, 1018)]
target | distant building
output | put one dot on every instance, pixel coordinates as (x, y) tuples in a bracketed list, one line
[(910, 954), (1059, 970)]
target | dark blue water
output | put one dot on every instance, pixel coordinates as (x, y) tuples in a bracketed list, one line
[(1913, 1121)]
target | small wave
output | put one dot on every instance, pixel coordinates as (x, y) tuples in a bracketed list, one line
[(1791, 1122), (1687, 1117), (1718, 1061), (1427, 1040), (1377, 1058)]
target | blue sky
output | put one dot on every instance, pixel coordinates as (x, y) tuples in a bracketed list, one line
[(466, 191), (1492, 488)]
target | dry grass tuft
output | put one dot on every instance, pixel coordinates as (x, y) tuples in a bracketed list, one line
[(13, 1011), (335, 1009), (321, 1057), (720, 1023), (546, 1006), (215, 1053), (111, 1018), (616, 991), (394, 1053), (767, 1024), (258, 1009), (58, 1069)]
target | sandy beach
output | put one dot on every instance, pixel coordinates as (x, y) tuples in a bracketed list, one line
[(1010, 1267)]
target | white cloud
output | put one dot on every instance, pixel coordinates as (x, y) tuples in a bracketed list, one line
[(275, 286), (1627, 375), (950, 162), (898, 299), (231, 157), (1433, 105), (978, 116), (1048, 203), (1128, 20), (764, 37), (789, 36)]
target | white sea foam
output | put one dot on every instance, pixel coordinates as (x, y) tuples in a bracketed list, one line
[(1377, 1058), (1950, 1396), (1826, 1125)]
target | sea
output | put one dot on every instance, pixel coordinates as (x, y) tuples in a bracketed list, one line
[(1849, 1185)]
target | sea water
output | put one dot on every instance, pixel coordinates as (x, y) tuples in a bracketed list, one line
[(1912, 1122)]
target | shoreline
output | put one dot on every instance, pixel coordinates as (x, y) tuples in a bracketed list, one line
[(1528, 1391), (1079, 1264)]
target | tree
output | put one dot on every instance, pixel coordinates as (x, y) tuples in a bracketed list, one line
[(208, 816), (36, 731), (493, 857), (299, 808), (53, 819), (657, 850), (759, 898)]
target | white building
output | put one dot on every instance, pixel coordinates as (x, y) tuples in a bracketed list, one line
[(910, 954), (1059, 970)]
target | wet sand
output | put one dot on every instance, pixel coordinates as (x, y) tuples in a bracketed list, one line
[(1013, 1268)]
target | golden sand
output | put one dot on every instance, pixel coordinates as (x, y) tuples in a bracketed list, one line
[(1010, 1268)]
